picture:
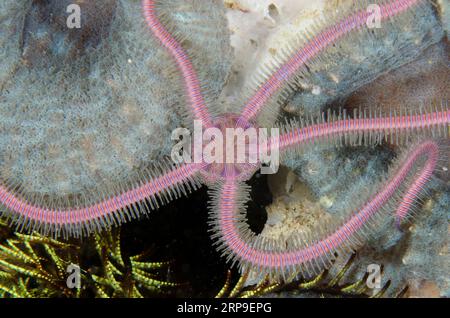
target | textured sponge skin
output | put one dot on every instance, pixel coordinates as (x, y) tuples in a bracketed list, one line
[(78, 112), (358, 60)]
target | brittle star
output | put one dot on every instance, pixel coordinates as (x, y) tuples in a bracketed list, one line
[(305, 254)]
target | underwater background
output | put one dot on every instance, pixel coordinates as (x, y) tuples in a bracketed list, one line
[(121, 77)]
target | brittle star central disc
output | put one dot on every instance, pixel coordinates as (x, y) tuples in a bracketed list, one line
[(230, 150)]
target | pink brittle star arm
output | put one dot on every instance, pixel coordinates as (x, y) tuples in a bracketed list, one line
[(388, 125), (171, 181), (382, 126), (249, 251), (189, 75), (312, 49)]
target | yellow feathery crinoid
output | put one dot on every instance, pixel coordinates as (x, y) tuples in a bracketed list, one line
[(128, 277), (322, 285), (37, 266)]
